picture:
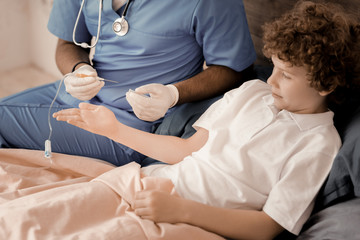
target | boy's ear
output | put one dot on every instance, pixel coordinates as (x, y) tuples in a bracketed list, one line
[(325, 93)]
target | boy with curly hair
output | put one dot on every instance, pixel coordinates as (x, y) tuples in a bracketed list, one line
[(262, 152)]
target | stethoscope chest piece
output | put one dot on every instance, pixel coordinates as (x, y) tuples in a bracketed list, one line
[(120, 26)]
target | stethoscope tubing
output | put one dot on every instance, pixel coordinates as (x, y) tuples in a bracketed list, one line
[(84, 44), (122, 21)]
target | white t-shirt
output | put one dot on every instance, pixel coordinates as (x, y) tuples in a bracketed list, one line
[(257, 157)]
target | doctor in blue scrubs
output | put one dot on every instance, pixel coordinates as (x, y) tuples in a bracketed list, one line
[(161, 57)]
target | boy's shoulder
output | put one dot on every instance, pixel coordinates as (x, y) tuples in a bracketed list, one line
[(249, 91), (254, 86)]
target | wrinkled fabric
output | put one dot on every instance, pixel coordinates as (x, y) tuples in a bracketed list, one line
[(77, 198)]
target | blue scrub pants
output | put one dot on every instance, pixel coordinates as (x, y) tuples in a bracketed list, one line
[(24, 124)]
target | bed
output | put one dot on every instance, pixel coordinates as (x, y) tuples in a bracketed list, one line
[(73, 197), (28, 178)]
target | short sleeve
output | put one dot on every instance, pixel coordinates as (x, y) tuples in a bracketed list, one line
[(214, 111), (62, 20), (222, 31), (291, 200), (239, 96)]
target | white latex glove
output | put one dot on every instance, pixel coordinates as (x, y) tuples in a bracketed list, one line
[(83, 83), (150, 102)]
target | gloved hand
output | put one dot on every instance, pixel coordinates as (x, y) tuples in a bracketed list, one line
[(83, 83), (150, 102)]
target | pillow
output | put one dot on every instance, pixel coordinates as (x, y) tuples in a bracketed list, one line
[(340, 221), (344, 178)]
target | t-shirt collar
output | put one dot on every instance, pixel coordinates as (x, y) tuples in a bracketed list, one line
[(309, 121), (305, 121)]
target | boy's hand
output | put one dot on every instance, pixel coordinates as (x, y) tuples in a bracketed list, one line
[(93, 118), (158, 206)]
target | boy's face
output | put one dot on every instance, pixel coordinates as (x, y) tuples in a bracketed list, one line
[(292, 91)]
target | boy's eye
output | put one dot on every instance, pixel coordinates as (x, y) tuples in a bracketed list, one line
[(285, 76)]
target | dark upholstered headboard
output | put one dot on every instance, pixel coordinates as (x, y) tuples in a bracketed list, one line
[(260, 11)]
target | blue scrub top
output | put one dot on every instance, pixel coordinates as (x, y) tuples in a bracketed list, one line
[(167, 40)]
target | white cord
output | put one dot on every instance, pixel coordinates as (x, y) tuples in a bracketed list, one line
[(84, 44), (48, 142)]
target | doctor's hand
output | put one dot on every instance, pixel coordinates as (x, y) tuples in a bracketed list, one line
[(93, 118), (150, 102), (83, 83)]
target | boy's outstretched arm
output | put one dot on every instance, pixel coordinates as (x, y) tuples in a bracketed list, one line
[(232, 223), (100, 120)]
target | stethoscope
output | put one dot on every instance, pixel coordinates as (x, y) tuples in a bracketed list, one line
[(120, 25)]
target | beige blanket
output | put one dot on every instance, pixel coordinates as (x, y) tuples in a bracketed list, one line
[(77, 198)]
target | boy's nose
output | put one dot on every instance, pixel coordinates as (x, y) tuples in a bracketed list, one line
[(271, 80)]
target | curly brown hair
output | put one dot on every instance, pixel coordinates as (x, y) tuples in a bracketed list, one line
[(323, 38)]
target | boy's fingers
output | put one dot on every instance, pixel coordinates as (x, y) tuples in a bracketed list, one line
[(69, 118), (67, 112)]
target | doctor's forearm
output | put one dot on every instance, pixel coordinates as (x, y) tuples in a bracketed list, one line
[(213, 81), (68, 54)]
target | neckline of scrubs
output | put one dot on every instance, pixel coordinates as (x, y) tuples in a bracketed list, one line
[(109, 12)]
